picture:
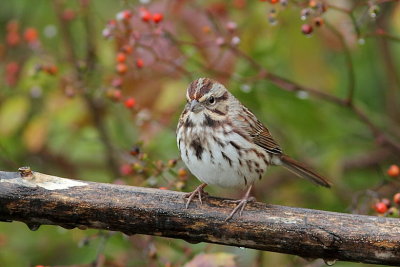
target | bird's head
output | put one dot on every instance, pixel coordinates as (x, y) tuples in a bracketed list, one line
[(209, 97)]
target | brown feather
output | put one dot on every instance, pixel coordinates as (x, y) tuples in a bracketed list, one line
[(260, 134), (265, 140), (302, 170)]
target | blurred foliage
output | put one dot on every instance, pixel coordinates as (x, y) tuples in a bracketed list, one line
[(93, 90)]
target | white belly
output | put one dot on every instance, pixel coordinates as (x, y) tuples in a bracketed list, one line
[(220, 163)]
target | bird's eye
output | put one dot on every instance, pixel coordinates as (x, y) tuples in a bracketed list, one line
[(211, 100)]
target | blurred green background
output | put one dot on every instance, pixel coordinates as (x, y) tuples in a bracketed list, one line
[(93, 90)]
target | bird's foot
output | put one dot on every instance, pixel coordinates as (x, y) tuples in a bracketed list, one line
[(198, 191), (241, 204)]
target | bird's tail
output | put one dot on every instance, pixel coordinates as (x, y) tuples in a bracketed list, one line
[(302, 170)]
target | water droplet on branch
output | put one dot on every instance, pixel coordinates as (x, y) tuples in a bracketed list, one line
[(330, 262), (33, 226)]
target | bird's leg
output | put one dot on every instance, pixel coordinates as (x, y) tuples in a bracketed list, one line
[(241, 204), (198, 191)]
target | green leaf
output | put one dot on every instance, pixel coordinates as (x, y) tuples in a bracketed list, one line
[(12, 114)]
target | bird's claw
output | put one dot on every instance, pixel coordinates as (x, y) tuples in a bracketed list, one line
[(198, 191), (241, 204)]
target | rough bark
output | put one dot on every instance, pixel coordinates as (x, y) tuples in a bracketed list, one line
[(37, 199)]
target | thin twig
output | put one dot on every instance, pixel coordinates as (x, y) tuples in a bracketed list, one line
[(288, 85), (349, 63), (96, 109)]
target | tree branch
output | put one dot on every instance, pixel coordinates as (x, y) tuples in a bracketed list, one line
[(35, 199)]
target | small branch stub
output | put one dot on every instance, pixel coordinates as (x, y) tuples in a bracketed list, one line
[(25, 171)]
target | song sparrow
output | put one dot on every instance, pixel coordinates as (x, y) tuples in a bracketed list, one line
[(224, 144)]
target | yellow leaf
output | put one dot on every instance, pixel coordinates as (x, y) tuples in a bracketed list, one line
[(35, 134), (396, 18), (172, 95), (13, 113), (220, 259)]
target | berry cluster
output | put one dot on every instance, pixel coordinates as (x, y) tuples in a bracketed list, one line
[(141, 165), (132, 30), (384, 206), (143, 36), (313, 15), (129, 35), (313, 10), (16, 38), (13, 35), (115, 93), (17, 41), (50, 69)]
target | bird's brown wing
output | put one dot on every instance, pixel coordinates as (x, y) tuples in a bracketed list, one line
[(262, 137), (259, 133)]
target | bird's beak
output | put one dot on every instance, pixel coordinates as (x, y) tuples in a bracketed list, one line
[(195, 106)]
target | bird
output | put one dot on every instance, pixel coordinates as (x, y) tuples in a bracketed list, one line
[(224, 144)]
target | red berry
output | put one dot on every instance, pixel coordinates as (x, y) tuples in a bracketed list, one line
[(127, 49), (306, 29), (116, 95), (122, 68), (125, 169), (206, 29), (12, 26), (182, 172), (12, 67), (127, 14), (12, 70), (139, 63), (396, 198), (312, 3), (145, 15), (68, 14), (13, 38), (157, 17), (393, 170), (130, 102), (239, 4), (273, 1), (318, 21), (380, 207), (51, 69), (124, 15), (121, 57), (112, 22), (30, 35)]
